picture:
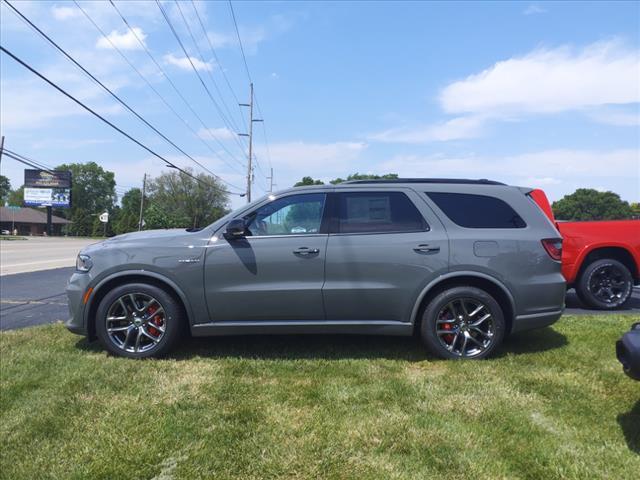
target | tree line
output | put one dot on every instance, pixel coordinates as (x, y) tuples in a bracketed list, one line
[(176, 200), (172, 200)]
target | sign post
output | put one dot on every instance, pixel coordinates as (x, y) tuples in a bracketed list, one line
[(104, 218)]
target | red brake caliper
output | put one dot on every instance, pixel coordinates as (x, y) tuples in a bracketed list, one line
[(447, 326), (155, 320)]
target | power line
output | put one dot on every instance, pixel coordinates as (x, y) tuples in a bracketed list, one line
[(215, 55), (122, 102), (246, 67), (175, 88), (244, 58), (113, 126), (25, 160), (229, 122), (175, 113), (37, 164), (204, 85)]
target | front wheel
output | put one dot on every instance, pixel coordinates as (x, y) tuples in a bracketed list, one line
[(463, 322), (138, 320), (605, 284)]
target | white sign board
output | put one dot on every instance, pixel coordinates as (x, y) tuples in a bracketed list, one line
[(104, 217)]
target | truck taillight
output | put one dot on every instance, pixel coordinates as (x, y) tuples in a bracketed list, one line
[(553, 246)]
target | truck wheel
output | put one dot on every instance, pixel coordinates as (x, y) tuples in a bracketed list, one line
[(138, 320), (462, 322), (605, 284)]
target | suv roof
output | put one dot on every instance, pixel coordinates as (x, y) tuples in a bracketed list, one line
[(482, 181)]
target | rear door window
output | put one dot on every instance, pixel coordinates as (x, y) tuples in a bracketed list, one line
[(377, 212), (477, 211)]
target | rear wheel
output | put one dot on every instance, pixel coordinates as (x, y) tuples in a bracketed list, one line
[(463, 322), (138, 320), (605, 284)]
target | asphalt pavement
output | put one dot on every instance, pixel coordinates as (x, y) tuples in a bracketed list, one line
[(36, 298), (33, 298)]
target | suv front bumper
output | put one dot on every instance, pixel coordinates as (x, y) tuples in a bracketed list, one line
[(76, 290)]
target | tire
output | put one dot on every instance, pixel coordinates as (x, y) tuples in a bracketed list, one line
[(605, 284), (150, 329), (476, 335)]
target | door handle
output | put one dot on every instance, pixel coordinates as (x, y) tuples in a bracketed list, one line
[(425, 248), (305, 251)]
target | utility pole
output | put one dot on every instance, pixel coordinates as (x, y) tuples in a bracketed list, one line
[(250, 135), (144, 187), (1, 147), (271, 181)]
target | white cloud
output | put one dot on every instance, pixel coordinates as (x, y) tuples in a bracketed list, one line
[(123, 41), (565, 165), (547, 81), (534, 9), (618, 118), (213, 133), (65, 13), (183, 62), (454, 129), (299, 155)]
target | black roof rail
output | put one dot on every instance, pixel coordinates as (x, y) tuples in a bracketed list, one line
[(482, 181)]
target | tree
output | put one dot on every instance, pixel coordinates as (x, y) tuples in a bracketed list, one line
[(308, 181), (359, 176), (179, 200), (635, 210), (5, 189), (16, 197), (129, 214), (93, 192), (590, 204)]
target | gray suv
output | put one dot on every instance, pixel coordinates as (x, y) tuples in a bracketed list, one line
[(461, 262)]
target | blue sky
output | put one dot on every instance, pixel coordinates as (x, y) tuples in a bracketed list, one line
[(541, 94)]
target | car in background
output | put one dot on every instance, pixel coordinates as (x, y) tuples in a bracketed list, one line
[(600, 259), (460, 262), (5, 232)]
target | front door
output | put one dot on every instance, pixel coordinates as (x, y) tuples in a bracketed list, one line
[(276, 271)]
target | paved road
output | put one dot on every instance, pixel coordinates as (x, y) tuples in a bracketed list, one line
[(39, 253), (33, 298), (38, 297)]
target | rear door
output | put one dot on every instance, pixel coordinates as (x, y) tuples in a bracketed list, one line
[(384, 246)]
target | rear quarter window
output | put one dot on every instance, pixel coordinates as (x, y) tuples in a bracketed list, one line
[(477, 211)]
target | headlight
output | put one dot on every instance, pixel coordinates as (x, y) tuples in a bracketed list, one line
[(83, 263)]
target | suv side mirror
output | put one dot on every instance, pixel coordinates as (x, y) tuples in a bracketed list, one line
[(235, 229)]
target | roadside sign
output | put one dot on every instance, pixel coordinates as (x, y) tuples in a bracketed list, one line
[(104, 217), (43, 188)]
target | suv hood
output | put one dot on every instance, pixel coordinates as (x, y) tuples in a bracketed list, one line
[(149, 235)]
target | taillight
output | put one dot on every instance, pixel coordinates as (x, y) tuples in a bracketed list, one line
[(553, 246)]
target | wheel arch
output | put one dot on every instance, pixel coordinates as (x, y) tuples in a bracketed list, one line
[(132, 276), (471, 279), (619, 253)]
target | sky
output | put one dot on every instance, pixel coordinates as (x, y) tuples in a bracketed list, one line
[(536, 94)]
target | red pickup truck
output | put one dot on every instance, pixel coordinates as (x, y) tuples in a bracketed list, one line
[(600, 259)]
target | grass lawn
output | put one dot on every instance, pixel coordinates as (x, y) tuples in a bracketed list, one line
[(553, 404)]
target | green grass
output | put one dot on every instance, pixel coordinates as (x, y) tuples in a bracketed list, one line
[(8, 238), (553, 404)]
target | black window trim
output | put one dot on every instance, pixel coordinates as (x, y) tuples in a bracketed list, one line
[(332, 206), (428, 195)]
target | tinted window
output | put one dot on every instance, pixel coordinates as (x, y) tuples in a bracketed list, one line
[(477, 211), (366, 212), (293, 215)]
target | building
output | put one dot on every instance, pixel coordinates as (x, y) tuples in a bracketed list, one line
[(29, 221)]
